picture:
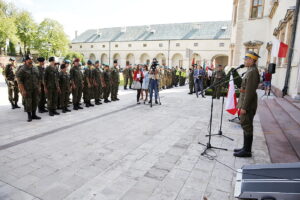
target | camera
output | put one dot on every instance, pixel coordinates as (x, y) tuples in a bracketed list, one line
[(154, 64)]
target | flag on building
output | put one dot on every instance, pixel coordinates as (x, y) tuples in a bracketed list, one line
[(279, 49), (231, 103), (193, 61)]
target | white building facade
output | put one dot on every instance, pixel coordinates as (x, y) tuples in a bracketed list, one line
[(255, 23), (172, 44)]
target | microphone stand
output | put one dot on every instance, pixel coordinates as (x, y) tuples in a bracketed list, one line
[(208, 145), (220, 133)]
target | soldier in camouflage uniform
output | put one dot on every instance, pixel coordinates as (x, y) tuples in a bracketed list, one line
[(52, 89), (42, 98), (191, 79), (106, 83), (76, 78), (126, 72), (12, 84), (97, 76), (64, 84), (130, 73), (115, 81), (248, 103), (28, 81), (88, 84), (217, 77)]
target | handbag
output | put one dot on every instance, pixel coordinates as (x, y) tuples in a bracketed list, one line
[(136, 85)]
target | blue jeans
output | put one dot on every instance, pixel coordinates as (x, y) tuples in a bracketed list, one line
[(153, 86), (199, 86)]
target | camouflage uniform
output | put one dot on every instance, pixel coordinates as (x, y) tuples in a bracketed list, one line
[(106, 85), (217, 76), (191, 81), (12, 84), (126, 72), (76, 78), (87, 86), (64, 84), (97, 76), (42, 98), (29, 78), (52, 85), (115, 81)]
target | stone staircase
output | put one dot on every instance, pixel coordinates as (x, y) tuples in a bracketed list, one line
[(280, 121)]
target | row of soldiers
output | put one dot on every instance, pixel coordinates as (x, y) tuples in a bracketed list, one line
[(52, 85)]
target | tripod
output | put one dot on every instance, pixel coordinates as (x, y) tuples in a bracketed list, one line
[(208, 145), (220, 133)]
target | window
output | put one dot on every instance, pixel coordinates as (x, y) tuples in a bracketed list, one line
[(116, 45), (103, 46), (195, 44), (221, 44), (70, 46), (80, 46), (144, 45), (92, 46), (177, 44), (129, 45), (257, 9), (161, 45)]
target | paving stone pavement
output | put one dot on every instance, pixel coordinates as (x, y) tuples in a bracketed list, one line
[(122, 151)]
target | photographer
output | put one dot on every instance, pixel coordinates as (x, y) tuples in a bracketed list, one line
[(153, 74)]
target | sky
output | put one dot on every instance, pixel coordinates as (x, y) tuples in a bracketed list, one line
[(81, 15)]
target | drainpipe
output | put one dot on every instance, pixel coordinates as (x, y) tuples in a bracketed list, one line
[(169, 54), (291, 52), (109, 49)]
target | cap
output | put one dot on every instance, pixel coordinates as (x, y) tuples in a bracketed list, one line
[(76, 60), (51, 59), (67, 61), (252, 55), (12, 59), (41, 59), (28, 57), (115, 61), (63, 66), (89, 62), (97, 62)]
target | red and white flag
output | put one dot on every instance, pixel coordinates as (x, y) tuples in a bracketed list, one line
[(279, 49), (231, 102)]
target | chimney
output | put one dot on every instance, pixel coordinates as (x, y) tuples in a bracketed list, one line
[(76, 34)]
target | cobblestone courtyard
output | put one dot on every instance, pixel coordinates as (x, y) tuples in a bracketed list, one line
[(121, 151)]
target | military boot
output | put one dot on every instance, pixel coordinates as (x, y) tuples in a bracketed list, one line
[(240, 149), (51, 113), (75, 107), (29, 117), (64, 110), (79, 107), (89, 102), (67, 110), (55, 112), (34, 116), (12, 105), (246, 152), (16, 105)]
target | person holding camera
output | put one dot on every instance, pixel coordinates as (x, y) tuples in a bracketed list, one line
[(154, 76)]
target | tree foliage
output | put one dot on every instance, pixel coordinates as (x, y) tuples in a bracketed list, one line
[(51, 39), (72, 55)]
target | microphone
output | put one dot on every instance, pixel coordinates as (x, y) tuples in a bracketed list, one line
[(239, 67)]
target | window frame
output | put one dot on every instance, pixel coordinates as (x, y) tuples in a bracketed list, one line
[(257, 6)]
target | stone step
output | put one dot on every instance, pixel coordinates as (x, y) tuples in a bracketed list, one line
[(279, 147), (289, 127), (293, 112)]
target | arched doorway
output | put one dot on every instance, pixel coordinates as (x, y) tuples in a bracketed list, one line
[(220, 60), (177, 60), (161, 58), (130, 58), (197, 59), (117, 57), (104, 58), (145, 59), (92, 57)]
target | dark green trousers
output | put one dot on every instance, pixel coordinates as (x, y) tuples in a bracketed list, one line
[(52, 97)]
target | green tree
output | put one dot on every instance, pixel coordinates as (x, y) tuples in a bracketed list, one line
[(7, 24), (51, 40), (72, 54), (26, 30)]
